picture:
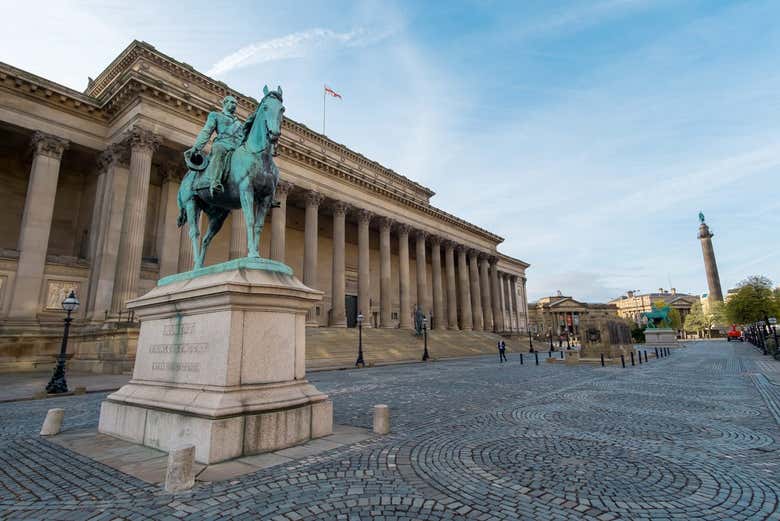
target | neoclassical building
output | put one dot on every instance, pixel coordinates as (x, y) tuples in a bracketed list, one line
[(89, 183), (558, 314)]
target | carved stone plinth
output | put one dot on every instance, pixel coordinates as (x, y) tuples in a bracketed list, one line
[(660, 337), (221, 365)]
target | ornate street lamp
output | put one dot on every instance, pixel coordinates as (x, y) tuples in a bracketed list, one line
[(360, 361), (426, 356), (57, 384)]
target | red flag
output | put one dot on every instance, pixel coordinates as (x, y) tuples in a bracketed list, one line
[(332, 92)]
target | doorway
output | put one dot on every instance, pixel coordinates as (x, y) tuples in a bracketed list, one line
[(350, 306)]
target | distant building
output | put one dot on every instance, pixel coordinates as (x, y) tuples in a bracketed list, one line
[(633, 304), (561, 313)]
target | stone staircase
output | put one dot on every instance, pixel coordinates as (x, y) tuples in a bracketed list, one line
[(328, 347)]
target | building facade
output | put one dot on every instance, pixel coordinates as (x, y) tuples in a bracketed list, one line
[(558, 314), (633, 304), (90, 182)]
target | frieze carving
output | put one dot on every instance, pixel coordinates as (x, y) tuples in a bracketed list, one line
[(47, 145), (57, 291)]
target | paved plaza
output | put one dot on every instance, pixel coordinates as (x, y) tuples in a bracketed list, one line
[(691, 436)]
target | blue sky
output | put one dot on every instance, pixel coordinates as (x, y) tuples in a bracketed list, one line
[(589, 134)]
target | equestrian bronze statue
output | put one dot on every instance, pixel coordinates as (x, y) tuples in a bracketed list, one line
[(244, 157)]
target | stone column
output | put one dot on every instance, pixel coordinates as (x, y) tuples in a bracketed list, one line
[(466, 319), (338, 315), (238, 244), (170, 236), (484, 283), (452, 293), (495, 294), (476, 294), (311, 246), (364, 266), (113, 162), (504, 314), (404, 315), (438, 296), (508, 303), (36, 224), (524, 304), (385, 283), (143, 143), (513, 300), (279, 221), (422, 281)]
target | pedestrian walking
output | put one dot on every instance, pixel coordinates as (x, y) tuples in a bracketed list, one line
[(502, 351)]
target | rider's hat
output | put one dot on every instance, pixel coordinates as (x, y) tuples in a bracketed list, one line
[(196, 161)]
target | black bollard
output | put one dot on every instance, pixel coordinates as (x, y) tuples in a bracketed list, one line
[(549, 354), (536, 356), (561, 355), (602, 359), (632, 359), (645, 356), (656, 352), (521, 358), (623, 361), (640, 357)]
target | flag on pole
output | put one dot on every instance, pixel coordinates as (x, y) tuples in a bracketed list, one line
[(332, 92)]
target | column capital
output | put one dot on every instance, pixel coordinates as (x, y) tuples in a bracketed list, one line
[(283, 188), (44, 144), (364, 216), (483, 256), (340, 208), (461, 248), (421, 235), (313, 198), (448, 244), (513, 278), (386, 223), (143, 139), (493, 260), (115, 154), (403, 228), (473, 253), (436, 240)]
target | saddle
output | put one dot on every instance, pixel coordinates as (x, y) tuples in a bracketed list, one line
[(203, 182)]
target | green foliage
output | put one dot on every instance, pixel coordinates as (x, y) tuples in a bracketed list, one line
[(637, 332), (718, 312), (675, 319), (697, 321), (754, 300)]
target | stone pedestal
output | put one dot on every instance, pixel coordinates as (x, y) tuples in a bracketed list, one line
[(221, 365), (660, 337)]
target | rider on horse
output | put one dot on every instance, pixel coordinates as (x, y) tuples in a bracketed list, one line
[(230, 133)]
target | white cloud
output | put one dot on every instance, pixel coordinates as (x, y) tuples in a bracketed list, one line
[(295, 45)]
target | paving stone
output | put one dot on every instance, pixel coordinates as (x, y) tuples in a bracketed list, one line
[(691, 436)]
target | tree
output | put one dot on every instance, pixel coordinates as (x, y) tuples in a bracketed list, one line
[(675, 319), (754, 300), (697, 321)]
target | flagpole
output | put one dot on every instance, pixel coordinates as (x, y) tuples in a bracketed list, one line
[(323, 110)]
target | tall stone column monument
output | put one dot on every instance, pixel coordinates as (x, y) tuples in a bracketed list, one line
[(710, 266)]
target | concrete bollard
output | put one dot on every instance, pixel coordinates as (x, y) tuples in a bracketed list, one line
[(53, 422), (180, 475), (381, 419)]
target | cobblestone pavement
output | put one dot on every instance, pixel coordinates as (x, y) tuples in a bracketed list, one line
[(691, 436)]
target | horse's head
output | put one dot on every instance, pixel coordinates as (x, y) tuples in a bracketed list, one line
[(271, 109)]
